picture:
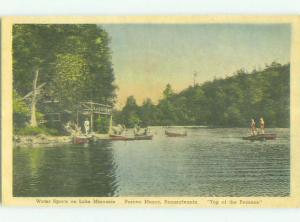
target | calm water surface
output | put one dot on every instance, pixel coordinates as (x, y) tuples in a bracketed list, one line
[(208, 162)]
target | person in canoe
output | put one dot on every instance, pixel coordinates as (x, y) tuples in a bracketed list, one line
[(262, 125), (253, 127), (118, 130)]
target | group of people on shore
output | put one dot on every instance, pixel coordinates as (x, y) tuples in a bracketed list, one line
[(72, 128), (254, 130)]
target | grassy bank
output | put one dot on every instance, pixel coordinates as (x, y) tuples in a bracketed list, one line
[(34, 131)]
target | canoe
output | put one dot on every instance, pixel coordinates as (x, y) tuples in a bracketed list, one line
[(171, 134), (143, 137), (136, 137), (82, 139), (118, 137), (266, 136)]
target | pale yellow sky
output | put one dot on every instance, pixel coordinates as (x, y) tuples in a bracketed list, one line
[(146, 57)]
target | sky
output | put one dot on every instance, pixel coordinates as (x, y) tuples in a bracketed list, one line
[(146, 57)]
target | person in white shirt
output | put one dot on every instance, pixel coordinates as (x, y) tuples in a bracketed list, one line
[(262, 125), (253, 127), (86, 126)]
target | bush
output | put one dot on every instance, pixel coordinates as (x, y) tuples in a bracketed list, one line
[(33, 131), (102, 124), (52, 132), (21, 112)]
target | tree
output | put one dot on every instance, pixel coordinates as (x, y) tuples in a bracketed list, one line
[(130, 113), (148, 113), (69, 81), (21, 112), (28, 42), (77, 55), (168, 92)]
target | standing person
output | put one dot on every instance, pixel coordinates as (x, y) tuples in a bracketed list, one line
[(262, 125), (146, 131), (135, 129), (86, 126), (253, 127)]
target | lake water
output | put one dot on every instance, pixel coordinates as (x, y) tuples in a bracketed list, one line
[(208, 162)]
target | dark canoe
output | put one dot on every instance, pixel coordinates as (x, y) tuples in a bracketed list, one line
[(136, 137), (266, 136), (171, 134), (118, 137), (143, 137), (82, 139)]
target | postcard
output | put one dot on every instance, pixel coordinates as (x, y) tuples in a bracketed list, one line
[(151, 111)]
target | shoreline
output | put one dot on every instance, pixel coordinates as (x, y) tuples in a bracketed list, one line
[(48, 140), (39, 140)]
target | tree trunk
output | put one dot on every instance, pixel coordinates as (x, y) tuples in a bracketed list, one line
[(33, 122)]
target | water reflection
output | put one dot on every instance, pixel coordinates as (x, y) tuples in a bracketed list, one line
[(64, 171), (209, 162)]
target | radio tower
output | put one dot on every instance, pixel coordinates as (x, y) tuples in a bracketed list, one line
[(195, 75)]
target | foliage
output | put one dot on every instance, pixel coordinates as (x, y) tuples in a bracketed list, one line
[(229, 102), (168, 92), (130, 113), (69, 79), (102, 124), (33, 131), (147, 113), (73, 60), (21, 111)]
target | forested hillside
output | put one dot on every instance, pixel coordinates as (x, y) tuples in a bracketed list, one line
[(229, 102)]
